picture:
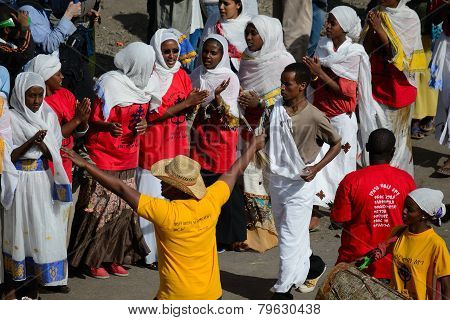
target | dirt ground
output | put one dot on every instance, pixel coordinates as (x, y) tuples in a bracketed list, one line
[(244, 275)]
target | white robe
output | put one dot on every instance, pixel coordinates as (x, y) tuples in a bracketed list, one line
[(327, 180), (34, 239), (35, 225), (150, 185), (292, 201)]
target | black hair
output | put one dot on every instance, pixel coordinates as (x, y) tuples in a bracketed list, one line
[(216, 42), (5, 12), (238, 2), (381, 142), (302, 72)]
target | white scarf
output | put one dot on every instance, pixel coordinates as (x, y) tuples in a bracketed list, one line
[(285, 159), (351, 62), (348, 20), (134, 82), (406, 25), (261, 71), (26, 123), (430, 201), (164, 73), (233, 28), (9, 173), (210, 79), (46, 65), (438, 62)]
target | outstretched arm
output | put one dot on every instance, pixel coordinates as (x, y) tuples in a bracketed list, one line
[(240, 164), (130, 195)]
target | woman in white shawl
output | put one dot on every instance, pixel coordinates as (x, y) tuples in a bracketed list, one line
[(262, 63), (343, 69), (215, 133), (34, 239), (392, 39), (440, 80), (166, 135), (8, 172), (230, 23), (109, 234)]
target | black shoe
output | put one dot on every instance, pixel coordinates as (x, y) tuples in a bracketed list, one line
[(55, 289), (282, 296), (153, 266)]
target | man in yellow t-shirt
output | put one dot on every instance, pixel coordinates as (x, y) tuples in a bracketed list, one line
[(185, 224)]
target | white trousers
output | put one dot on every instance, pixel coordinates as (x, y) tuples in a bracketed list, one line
[(292, 202)]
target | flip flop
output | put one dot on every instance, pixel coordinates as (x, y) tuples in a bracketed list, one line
[(444, 171), (417, 135), (427, 127)]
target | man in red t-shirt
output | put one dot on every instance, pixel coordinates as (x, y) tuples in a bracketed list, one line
[(369, 203)]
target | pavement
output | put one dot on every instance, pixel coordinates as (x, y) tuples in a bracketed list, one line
[(244, 275), (250, 275)]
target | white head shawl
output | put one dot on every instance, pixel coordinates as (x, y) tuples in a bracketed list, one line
[(350, 61), (133, 82), (261, 71), (46, 65), (251, 7), (430, 201), (210, 79), (164, 73), (26, 123), (348, 20), (233, 29), (406, 25), (9, 173)]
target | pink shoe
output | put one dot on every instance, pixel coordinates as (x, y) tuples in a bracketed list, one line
[(99, 273), (117, 270)]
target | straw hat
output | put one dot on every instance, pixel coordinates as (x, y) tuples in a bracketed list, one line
[(183, 173)]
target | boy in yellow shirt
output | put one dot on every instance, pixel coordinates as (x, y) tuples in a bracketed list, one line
[(419, 254), (185, 224)]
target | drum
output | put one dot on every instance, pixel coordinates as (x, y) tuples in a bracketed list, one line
[(346, 282)]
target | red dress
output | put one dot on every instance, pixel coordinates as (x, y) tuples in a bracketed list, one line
[(390, 85), (63, 103), (168, 138), (214, 139), (369, 203), (333, 104), (111, 153)]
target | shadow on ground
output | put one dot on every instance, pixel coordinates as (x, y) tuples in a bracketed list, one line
[(104, 63), (426, 158), (253, 288), (134, 23)]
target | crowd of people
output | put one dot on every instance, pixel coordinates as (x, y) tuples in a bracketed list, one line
[(223, 135)]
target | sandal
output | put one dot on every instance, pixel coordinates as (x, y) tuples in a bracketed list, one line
[(444, 171), (153, 266), (426, 127), (417, 135), (240, 247), (426, 124)]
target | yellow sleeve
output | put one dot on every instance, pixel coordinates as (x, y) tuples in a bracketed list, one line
[(217, 194), (442, 260), (153, 209)]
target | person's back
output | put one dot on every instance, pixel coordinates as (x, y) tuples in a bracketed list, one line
[(186, 238), (369, 203)]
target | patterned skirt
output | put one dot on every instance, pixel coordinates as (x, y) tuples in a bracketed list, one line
[(105, 228), (261, 231)]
